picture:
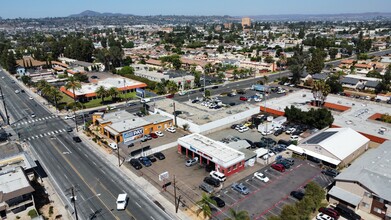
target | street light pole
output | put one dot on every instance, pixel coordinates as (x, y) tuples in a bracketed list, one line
[(73, 200)]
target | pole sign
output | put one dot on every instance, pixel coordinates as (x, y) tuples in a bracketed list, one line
[(133, 134), (140, 92)]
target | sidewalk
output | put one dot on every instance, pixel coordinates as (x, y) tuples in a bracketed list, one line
[(151, 192)]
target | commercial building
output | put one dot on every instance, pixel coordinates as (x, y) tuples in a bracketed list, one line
[(246, 22), (88, 90), (212, 153), (121, 126), (333, 147), (366, 184)]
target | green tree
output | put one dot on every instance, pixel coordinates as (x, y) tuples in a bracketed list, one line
[(42, 84), (129, 44), (101, 92), (269, 59), (289, 212), (172, 87), (333, 53), (126, 70), (26, 80), (207, 93), (81, 77), (316, 64), (301, 33), (204, 205), (113, 92), (160, 88), (238, 215)]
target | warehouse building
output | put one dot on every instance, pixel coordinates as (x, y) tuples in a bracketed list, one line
[(334, 147)]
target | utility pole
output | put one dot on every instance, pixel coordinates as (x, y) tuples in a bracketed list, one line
[(173, 104), (5, 107), (73, 200), (119, 161), (177, 201)]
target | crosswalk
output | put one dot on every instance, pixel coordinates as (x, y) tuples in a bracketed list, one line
[(45, 134), (35, 120)]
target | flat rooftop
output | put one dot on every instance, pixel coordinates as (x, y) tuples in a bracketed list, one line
[(13, 180), (219, 152), (117, 82), (356, 117)]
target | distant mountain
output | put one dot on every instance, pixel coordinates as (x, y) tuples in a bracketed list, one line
[(327, 17), (89, 13)]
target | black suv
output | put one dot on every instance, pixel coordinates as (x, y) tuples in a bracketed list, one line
[(212, 181), (76, 139), (159, 155), (346, 212), (220, 203), (136, 164), (297, 194)]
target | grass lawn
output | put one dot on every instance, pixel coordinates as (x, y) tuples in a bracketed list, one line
[(65, 100)]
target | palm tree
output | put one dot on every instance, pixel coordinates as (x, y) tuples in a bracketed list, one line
[(73, 84), (204, 205), (101, 92), (52, 93), (172, 87), (113, 92), (41, 84), (320, 90), (238, 215)]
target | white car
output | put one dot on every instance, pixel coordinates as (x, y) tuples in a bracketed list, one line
[(322, 216), (290, 130), (33, 115), (295, 138), (171, 129), (122, 200), (69, 117), (261, 177), (113, 146), (159, 133), (217, 175), (257, 99), (264, 133), (31, 98), (281, 91), (242, 129)]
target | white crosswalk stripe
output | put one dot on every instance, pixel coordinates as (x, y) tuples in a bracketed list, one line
[(56, 132), (41, 135)]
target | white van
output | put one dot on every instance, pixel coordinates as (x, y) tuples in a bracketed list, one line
[(113, 146), (145, 100), (217, 175), (122, 200)]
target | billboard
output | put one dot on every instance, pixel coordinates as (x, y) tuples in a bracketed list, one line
[(140, 92), (133, 134)]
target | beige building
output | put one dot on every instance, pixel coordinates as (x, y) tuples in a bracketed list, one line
[(366, 184), (246, 22), (332, 148)]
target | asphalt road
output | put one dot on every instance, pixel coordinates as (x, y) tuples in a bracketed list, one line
[(97, 183)]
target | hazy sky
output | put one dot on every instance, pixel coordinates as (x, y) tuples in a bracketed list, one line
[(53, 8)]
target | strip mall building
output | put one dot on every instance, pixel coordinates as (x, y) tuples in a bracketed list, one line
[(224, 158)]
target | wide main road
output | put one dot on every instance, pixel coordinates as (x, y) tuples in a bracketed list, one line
[(96, 183)]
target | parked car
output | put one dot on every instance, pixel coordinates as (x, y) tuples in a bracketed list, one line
[(330, 172), (284, 163), (241, 188), (159, 133), (212, 181), (278, 167), (206, 187), (346, 212), (261, 177), (191, 162), (234, 126), (330, 212), (153, 135), (278, 132), (76, 139), (113, 146), (152, 158), (295, 138), (297, 195), (290, 161), (220, 203), (290, 130), (242, 98), (159, 155), (145, 161), (322, 216), (136, 164), (69, 129), (171, 129), (217, 175), (69, 117), (242, 129)]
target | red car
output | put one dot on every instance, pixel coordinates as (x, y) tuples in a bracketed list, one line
[(243, 98), (153, 135), (278, 167), (170, 96), (330, 212)]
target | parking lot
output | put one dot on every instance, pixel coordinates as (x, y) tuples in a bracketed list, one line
[(267, 199)]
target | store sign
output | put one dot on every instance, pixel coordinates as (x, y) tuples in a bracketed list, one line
[(140, 92), (133, 134)]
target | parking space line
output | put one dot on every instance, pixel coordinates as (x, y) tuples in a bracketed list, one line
[(248, 182)]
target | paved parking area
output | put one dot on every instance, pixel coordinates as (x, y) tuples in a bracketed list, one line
[(267, 199)]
